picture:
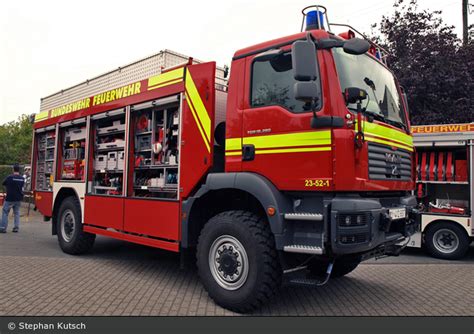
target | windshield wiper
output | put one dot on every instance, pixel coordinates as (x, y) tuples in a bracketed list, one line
[(382, 118), (373, 114)]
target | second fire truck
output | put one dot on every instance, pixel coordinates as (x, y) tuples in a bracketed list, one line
[(302, 165), (445, 188)]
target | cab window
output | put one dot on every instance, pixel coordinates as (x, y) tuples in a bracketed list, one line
[(272, 84)]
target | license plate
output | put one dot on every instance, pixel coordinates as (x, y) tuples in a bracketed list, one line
[(398, 213)]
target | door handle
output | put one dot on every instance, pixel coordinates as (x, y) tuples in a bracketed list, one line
[(248, 152)]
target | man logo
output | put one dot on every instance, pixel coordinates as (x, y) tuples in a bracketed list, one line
[(393, 158)]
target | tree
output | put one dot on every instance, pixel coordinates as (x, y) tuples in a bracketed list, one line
[(15, 141), (431, 63)]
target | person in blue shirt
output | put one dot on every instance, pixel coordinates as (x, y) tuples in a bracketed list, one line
[(14, 185)]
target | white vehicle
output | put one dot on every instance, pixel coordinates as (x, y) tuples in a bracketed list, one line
[(445, 188)]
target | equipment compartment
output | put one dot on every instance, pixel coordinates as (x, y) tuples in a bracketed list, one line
[(45, 160), (107, 174), (73, 152), (442, 180), (156, 150)]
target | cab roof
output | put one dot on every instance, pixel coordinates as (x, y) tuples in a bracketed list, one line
[(275, 43)]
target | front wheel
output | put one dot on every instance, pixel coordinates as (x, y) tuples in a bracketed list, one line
[(237, 261), (446, 241), (72, 239)]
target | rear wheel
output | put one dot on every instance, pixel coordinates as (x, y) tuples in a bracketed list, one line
[(72, 239), (342, 266), (237, 261), (446, 240)]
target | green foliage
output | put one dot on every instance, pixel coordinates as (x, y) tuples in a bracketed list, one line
[(4, 172), (432, 65), (15, 141)]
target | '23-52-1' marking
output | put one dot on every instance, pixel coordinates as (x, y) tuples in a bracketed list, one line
[(316, 183)]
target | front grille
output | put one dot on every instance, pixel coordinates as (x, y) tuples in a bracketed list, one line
[(387, 163), (356, 238), (353, 219)]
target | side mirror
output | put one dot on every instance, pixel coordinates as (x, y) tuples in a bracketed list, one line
[(306, 91), (356, 46), (303, 55), (354, 95)]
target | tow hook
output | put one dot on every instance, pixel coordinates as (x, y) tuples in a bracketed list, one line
[(385, 221)]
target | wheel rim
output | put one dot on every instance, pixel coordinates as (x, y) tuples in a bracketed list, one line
[(445, 241), (68, 225), (228, 262)]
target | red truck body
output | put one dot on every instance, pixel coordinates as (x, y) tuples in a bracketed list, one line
[(340, 169), (137, 215)]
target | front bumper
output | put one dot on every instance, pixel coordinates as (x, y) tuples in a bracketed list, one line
[(359, 224)]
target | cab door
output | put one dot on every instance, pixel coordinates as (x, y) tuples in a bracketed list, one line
[(277, 139)]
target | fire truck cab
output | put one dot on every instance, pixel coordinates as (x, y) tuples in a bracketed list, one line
[(445, 188), (302, 165)]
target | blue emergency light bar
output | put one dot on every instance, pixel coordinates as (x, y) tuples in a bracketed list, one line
[(314, 17), (314, 20)]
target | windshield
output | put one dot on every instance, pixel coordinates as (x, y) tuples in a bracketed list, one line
[(383, 101)]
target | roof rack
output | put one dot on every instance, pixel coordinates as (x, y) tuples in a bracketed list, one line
[(376, 50), (135, 71)]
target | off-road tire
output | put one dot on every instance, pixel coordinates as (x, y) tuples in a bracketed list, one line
[(264, 270), (80, 241), (462, 244), (342, 267)]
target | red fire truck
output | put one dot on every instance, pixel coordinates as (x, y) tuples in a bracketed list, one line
[(301, 165), (445, 160)]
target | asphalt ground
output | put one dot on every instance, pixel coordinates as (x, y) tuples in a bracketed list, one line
[(119, 278)]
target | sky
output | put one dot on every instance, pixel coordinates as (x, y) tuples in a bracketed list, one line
[(48, 45)]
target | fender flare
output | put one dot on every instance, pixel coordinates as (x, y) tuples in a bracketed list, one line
[(449, 220), (256, 185), (57, 203)]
